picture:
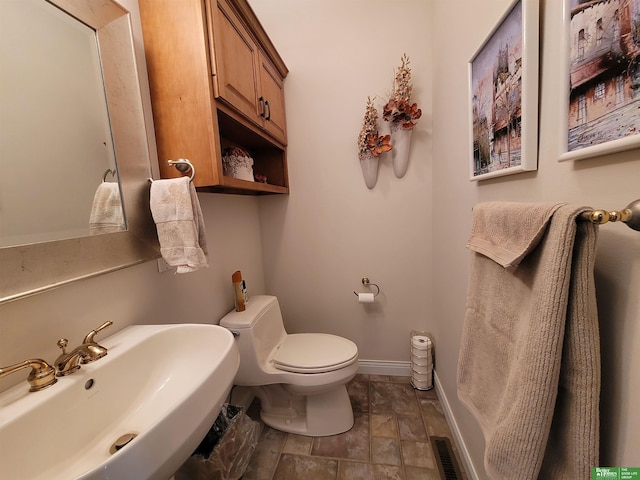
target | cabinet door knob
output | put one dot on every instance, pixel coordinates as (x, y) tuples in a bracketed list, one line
[(262, 107), (268, 107)]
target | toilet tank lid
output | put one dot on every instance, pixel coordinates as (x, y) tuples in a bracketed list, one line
[(255, 308)]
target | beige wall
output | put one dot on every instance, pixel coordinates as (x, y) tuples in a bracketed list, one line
[(408, 235), (332, 230), (607, 182)]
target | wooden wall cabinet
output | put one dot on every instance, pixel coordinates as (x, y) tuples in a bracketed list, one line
[(216, 80), (272, 93), (245, 78)]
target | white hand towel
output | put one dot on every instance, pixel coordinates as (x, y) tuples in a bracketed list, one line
[(180, 224), (106, 212)]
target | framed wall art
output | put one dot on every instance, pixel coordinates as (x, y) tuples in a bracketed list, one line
[(601, 113), (503, 84)]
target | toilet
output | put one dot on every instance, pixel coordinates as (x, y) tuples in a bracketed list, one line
[(299, 378)]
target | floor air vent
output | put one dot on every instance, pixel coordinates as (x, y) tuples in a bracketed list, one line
[(446, 459)]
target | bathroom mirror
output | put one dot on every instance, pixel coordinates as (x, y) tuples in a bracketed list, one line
[(36, 265), (57, 100)]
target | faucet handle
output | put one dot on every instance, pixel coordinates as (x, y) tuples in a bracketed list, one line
[(42, 374), (62, 343), (93, 351), (89, 337), (65, 363)]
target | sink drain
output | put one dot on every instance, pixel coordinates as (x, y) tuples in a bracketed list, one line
[(122, 441)]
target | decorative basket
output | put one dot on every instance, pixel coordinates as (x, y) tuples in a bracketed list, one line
[(237, 163)]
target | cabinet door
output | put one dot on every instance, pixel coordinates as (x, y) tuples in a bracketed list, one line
[(184, 114), (272, 92), (235, 57)]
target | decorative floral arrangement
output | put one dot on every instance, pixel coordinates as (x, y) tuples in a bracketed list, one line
[(399, 110), (369, 140), (237, 163)]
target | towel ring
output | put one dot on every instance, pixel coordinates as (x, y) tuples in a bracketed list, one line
[(367, 283), (183, 165), (109, 172)]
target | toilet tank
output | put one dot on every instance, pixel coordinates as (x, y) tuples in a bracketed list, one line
[(260, 330)]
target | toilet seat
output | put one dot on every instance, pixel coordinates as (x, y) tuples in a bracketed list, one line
[(314, 353)]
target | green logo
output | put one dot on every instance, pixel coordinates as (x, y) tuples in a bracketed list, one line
[(601, 473), (615, 473)]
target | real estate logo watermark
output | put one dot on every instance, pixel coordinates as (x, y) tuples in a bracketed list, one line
[(615, 473)]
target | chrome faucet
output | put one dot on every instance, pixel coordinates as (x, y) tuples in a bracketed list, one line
[(42, 374), (88, 352)]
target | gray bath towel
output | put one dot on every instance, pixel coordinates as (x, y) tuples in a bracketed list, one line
[(529, 366), (180, 224)]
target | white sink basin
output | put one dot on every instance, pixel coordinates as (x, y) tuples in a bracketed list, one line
[(164, 383)]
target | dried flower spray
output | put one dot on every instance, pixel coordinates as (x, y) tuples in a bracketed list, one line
[(399, 110), (369, 140)]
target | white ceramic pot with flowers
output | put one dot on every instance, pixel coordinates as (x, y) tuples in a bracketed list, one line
[(237, 163), (371, 145), (401, 115)]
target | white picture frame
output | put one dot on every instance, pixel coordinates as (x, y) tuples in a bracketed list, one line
[(601, 101), (503, 95)]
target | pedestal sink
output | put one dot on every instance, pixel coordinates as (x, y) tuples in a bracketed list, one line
[(155, 394)]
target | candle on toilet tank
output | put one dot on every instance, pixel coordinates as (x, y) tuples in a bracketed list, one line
[(236, 279)]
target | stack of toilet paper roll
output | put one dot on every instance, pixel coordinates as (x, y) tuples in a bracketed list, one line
[(421, 360)]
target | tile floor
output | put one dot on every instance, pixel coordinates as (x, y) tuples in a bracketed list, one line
[(389, 440)]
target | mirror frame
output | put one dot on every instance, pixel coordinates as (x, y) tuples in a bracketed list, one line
[(29, 269)]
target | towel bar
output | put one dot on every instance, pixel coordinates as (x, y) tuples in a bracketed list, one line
[(629, 215)]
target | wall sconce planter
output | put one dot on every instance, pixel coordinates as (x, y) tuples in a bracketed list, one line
[(369, 165), (401, 141), (401, 115), (371, 145)]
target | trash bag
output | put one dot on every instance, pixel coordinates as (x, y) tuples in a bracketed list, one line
[(226, 450)]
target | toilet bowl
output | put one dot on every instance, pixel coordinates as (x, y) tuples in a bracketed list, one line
[(299, 378)]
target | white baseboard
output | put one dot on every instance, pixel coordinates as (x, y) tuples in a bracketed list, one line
[(472, 474), (377, 367)]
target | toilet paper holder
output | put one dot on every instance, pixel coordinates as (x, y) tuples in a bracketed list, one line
[(367, 283)]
